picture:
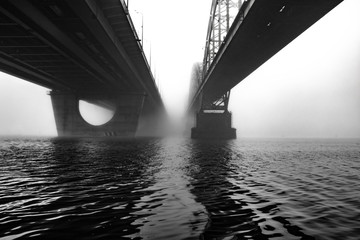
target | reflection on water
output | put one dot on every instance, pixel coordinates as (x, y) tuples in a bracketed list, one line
[(179, 189)]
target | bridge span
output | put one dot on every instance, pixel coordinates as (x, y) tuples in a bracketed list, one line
[(260, 30), (81, 50)]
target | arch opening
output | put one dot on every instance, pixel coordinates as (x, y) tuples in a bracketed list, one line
[(98, 112)]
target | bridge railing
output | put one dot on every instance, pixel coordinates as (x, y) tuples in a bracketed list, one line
[(125, 5)]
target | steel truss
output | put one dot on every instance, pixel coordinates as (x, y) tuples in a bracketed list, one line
[(222, 15), (220, 104)]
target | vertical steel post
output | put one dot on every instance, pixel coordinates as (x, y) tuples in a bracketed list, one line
[(227, 15), (219, 22)]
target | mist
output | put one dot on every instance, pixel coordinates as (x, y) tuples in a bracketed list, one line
[(309, 89), (25, 108)]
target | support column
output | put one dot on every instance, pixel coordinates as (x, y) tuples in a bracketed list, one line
[(213, 125), (153, 121), (69, 121)]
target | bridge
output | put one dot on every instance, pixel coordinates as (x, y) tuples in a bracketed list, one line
[(89, 50), (81, 50), (260, 29)]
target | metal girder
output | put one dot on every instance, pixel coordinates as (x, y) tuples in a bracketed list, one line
[(22, 70), (260, 30), (115, 45), (47, 32), (220, 104), (221, 17)]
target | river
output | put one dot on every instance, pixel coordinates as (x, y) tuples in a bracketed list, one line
[(178, 188)]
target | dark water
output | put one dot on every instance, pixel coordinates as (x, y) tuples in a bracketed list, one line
[(179, 189)]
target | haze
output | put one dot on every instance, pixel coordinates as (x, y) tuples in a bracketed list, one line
[(309, 89)]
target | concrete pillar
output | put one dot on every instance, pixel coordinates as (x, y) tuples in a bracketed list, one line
[(213, 125), (69, 121)]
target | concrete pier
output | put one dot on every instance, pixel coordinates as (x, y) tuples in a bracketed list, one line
[(213, 125), (70, 123)]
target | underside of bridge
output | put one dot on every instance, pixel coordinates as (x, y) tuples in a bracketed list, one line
[(260, 30), (81, 50)]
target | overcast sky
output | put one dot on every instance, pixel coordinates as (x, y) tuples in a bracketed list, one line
[(310, 89)]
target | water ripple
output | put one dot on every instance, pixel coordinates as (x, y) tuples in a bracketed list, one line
[(179, 189)]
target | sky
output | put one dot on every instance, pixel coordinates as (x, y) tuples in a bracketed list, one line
[(309, 89)]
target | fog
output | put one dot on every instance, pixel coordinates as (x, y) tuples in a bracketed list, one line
[(25, 108), (309, 89)]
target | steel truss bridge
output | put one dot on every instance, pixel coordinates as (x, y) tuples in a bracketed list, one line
[(237, 45)]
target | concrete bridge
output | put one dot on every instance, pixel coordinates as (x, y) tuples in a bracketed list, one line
[(82, 50), (261, 29)]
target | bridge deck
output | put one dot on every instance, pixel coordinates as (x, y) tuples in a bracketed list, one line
[(81, 46), (267, 28)]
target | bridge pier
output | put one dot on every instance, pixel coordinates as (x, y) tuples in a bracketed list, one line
[(70, 123), (213, 125)]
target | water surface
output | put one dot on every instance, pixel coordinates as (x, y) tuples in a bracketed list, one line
[(179, 189)]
